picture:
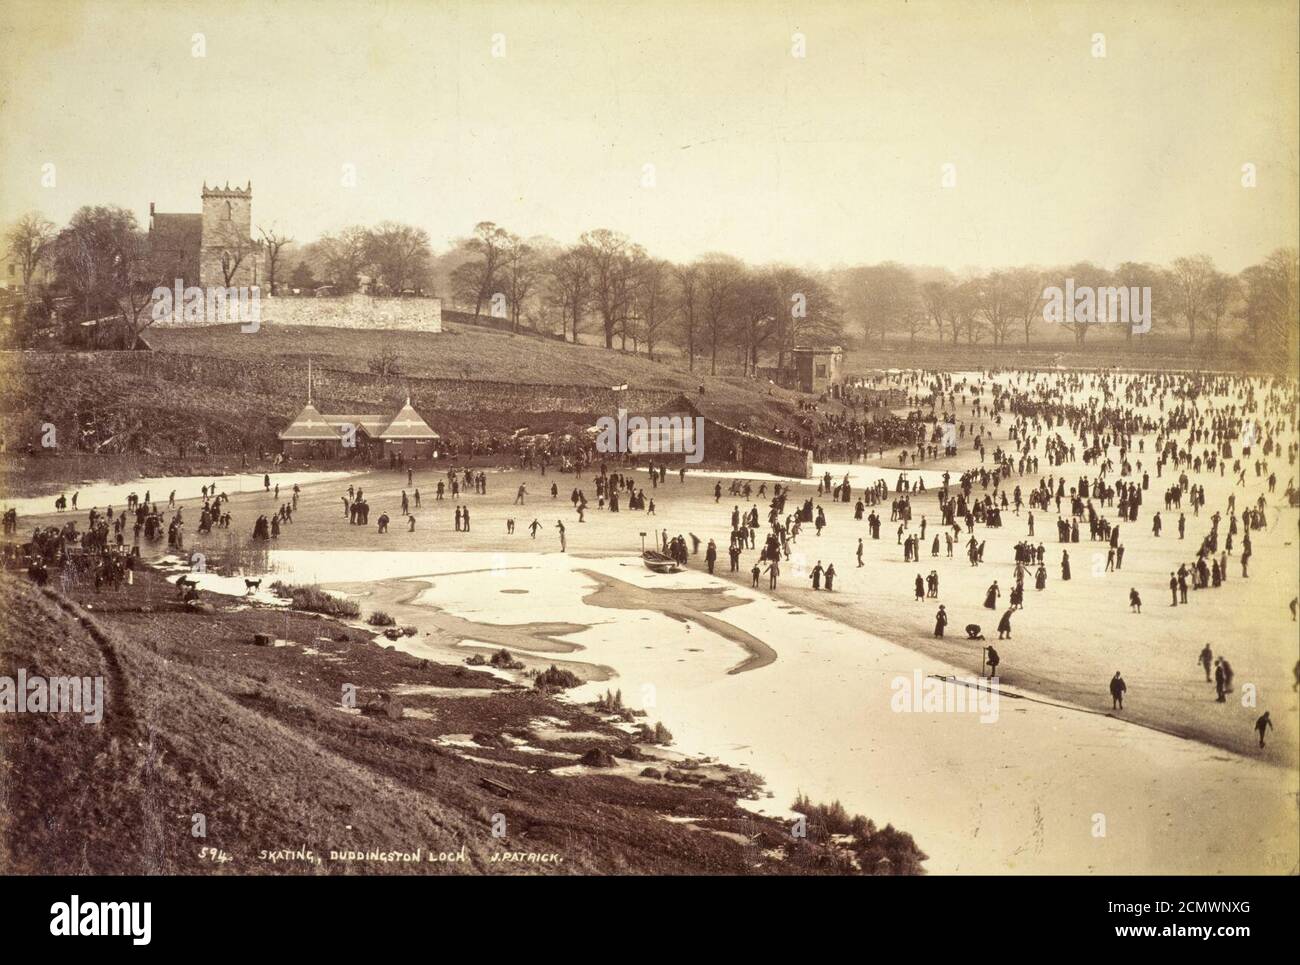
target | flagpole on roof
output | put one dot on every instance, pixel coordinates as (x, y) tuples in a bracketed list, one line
[(309, 380)]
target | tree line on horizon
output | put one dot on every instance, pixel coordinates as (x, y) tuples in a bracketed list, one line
[(716, 309)]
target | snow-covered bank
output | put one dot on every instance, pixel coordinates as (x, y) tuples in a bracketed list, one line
[(104, 494)]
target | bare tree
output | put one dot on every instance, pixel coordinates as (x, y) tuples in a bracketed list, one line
[(519, 272), (687, 278), (135, 281), (760, 311), (1221, 296), (652, 300), (1269, 307), (719, 281), (272, 243), (994, 305), (344, 256), (607, 254), (478, 279), (1086, 276), (29, 242), (805, 310), (569, 285), (935, 295), (1139, 275), (882, 296), (398, 254), (1189, 282), (1025, 298)]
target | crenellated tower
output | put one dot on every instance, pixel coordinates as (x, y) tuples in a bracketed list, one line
[(228, 254)]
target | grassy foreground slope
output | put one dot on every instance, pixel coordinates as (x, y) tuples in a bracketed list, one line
[(199, 721)]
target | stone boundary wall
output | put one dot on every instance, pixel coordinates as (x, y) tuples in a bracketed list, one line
[(754, 452), (345, 311)]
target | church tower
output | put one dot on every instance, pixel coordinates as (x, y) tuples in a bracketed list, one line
[(228, 255)]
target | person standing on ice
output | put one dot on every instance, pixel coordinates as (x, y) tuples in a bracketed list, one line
[(1004, 626), (773, 571), (991, 597), (991, 655), (1117, 690), (1206, 660), (940, 621)]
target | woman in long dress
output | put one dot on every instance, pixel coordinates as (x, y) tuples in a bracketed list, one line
[(1065, 564)]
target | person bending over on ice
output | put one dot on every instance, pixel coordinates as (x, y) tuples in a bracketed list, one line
[(1261, 725)]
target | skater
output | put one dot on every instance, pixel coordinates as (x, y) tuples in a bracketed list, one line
[(1117, 691), (1004, 626), (1206, 660), (940, 621), (773, 571), (1264, 723), (991, 656), (1134, 600), (991, 597)]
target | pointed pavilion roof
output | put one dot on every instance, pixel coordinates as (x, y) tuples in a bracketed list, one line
[(309, 424), (408, 424)]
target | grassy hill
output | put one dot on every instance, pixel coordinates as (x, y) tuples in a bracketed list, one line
[(460, 351), (241, 389)]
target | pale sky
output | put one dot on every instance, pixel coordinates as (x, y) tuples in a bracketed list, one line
[(828, 159)]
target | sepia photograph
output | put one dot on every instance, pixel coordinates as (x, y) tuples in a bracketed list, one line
[(649, 440)]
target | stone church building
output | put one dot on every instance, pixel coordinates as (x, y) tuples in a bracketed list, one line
[(212, 249)]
